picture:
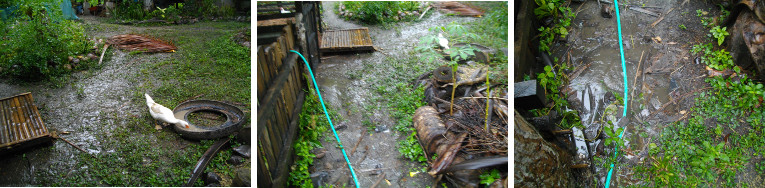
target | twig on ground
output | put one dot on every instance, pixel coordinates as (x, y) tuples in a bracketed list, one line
[(379, 180), (661, 18)]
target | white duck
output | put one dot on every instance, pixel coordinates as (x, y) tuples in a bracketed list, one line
[(163, 113), (281, 10), (442, 41)]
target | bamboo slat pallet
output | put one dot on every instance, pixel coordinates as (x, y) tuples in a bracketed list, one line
[(20, 123), (346, 40)]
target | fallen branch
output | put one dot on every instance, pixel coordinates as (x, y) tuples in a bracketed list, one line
[(661, 18), (357, 142), (498, 98), (423, 13), (644, 11), (75, 146), (637, 72), (379, 180), (102, 54)]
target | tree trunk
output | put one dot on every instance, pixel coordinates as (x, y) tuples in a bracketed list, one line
[(538, 163)]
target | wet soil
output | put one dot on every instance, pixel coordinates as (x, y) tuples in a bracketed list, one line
[(660, 73), (353, 98), (88, 107)]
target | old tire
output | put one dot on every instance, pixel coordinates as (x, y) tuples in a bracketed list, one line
[(234, 119)]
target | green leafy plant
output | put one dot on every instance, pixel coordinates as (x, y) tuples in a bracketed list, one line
[(40, 43), (561, 15), (719, 34), (719, 60), (488, 177), (379, 12), (682, 26), (410, 149), (455, 33), (313, 123)]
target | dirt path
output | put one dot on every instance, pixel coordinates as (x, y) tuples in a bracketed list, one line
[(667, 71), (353, 98)]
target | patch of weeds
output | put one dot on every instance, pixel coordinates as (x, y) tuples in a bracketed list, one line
[(705, 21), (369, 125), (492, 29), (682, 26), (313, 123), (489, 177), (718, 60), (561, 16), (552, 83), (455, 33), (37, 45), (719, 34), (379, 12), (410, 149)]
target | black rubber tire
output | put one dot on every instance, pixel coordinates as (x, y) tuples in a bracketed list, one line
[(234, 119)]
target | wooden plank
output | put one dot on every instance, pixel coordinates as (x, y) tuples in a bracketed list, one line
[(15, 121), (36, 120), (290, 37), (275, 22), (21, 119), (264, 176), (287, 153), (275, 148), (4, 134), (31, 123), (37, 115), (8, 120), (272, 92), (270, 155)]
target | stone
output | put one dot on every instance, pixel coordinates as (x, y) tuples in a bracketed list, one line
[(212, 178), (235, 160), (529, 95), (243, 150), (242, 177), (319, 178)]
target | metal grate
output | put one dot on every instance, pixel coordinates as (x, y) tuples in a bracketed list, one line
[(20, 122), (346, 40)]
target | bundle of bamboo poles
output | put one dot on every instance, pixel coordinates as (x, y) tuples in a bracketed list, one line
[(133, 42)]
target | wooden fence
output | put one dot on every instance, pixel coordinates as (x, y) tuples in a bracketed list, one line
[(281, 88)]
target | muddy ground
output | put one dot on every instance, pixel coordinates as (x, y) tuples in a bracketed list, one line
[(89, 107), (353, 98), (661, 73)]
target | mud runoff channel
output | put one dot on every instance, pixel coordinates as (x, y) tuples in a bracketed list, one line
[(352, 98), (660, 72)]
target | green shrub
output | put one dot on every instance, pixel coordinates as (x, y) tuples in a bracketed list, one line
[(37, 46), (130, 11), (381, 12)]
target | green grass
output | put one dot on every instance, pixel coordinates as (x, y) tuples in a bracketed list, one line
[(134, 154)]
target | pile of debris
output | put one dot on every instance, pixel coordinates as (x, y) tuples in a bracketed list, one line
[(464, 124), (133, 42)]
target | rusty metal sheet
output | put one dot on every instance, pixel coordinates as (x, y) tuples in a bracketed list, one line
[(20, 123), (346, 40)]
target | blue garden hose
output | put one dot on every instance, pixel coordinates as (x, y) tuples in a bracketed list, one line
[(356, 181), (624, 73)]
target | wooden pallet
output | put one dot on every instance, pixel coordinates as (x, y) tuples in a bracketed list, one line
[(20, 123), (346, 40)]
